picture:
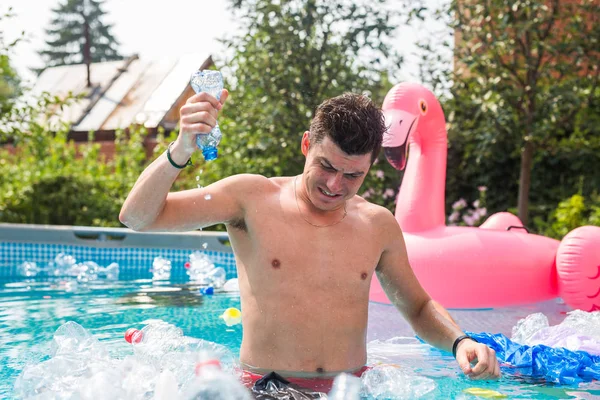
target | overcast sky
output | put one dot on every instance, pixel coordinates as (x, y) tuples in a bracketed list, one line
[(153, 29)]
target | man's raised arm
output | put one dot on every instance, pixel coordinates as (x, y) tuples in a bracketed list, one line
[(150, 206)]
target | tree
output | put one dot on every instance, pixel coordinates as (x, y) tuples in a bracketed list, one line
[(78, 35), (9, 79), (292, 56), (525, 82)]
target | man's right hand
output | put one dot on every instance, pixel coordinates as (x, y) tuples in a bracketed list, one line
[(197, 116)]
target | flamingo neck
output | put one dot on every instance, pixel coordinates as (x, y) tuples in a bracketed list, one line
[(420, 204)]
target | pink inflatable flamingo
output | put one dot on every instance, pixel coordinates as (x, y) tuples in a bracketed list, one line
[(497, 264)]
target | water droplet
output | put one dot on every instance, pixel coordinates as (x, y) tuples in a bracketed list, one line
[(199, 186), (197, 177), (204, 245), (207, 197), (201, 171)]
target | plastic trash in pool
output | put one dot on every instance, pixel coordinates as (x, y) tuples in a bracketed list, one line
[(212, 383), (579, 331), (28, 269), (232, 316), (392, 382), (558, 365), (202, 271), (232, 285), (345, 387), (161, 269)]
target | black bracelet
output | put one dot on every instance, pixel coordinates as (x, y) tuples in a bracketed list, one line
[(189, 162), (458, 340)]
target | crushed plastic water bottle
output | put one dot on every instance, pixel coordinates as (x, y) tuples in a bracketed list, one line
[(161, 269), (65, 265), (216, 277), (527, 327), (111, 272), (166, 387), (84, 272), (578, 332), (391, 382), (81, 367), (28, 269), (202, 271), (212, 383), (212, 83), (585, 323), (345, 387), (232, 285), (72, 338), (61, 264)]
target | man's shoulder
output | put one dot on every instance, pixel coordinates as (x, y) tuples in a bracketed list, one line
[(377, 216), (251, 183), (372, 210)]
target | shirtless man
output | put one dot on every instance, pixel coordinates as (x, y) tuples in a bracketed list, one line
[(306, 247)]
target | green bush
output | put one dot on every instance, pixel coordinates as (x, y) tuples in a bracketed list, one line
[(571, 213), (48, 180)]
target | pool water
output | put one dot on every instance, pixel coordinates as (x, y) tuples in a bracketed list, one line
[(31, 311)]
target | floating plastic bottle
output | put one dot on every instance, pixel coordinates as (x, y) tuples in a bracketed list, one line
[(345, 387), (210, 82), (65, 265), (212, 383), (232, 285), (161, 269), (202, 271), (28, 269), (232, 316)]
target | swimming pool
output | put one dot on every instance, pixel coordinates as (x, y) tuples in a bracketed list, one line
[(32, 309)]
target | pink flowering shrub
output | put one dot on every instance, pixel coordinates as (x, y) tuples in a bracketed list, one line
[(381, 185), (464, 215)]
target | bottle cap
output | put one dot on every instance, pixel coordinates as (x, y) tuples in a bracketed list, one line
[(210, 153), (202, 364), (133, 335)]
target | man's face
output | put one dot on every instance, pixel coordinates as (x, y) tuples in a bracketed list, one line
[(331, 176)]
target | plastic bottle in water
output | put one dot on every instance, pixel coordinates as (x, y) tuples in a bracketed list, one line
[(212, 383), (210, 82), (161, 269), (345, 387)]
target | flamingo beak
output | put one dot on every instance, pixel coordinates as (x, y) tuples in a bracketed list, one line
[(397, 156), (395, 140)]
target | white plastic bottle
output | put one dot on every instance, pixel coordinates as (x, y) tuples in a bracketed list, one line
[(212, 383), (345, 387)]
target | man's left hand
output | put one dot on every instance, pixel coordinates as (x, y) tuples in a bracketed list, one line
[(486, 365)]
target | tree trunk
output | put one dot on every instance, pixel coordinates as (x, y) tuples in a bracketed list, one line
[(525, 181), (87, 57)]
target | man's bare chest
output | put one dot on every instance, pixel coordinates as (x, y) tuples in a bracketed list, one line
[(288, 252)]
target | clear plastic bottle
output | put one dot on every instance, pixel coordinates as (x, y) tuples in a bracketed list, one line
[(345, 387), (212, 383), (161, 269), (155, 341), (211, 82)]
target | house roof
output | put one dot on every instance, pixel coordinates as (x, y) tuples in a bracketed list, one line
[(125, 92)]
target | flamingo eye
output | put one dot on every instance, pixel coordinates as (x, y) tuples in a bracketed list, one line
[(423, 106)]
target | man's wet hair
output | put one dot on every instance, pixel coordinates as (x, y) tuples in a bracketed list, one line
[(352, 121)]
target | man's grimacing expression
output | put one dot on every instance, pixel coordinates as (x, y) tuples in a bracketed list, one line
[(330, 175)]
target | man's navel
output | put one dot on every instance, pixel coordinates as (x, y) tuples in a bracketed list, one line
[(276, 263)]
